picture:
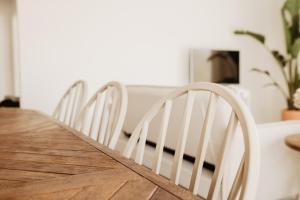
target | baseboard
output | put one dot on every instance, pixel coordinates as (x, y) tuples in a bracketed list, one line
[(191, 159)]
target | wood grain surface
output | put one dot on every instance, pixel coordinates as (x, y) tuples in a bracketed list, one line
[(41, 158), (293, 141)]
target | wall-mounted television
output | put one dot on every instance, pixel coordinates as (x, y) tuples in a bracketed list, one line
[(217, 66)]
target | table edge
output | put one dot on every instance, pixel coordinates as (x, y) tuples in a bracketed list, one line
[(292, 146)]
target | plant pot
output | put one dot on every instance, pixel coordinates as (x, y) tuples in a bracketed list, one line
[(290, 115)]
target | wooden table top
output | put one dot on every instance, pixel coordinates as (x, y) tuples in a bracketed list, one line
[(293, 141), (42, 159)]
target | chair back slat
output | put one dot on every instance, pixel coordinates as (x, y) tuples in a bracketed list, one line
[(112, 113), (70, 104), (108, 106), (162, 136), (96, 114), (221, 163), (203, 142), (137, 131), (105, 117), (132, 141), (68, 107), (244, 182), (181, 141), (74, 109), (100, 101), (58, 113), (114, 124), (141, 143), (237, 184)]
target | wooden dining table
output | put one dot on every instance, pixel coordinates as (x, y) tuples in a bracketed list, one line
[(41, 158), (293, 141)]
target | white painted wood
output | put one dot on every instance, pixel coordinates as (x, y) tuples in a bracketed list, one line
[(177, 163), (137, 131), (113, 123), (247, 177), (68, 107), (215, 187), (95, 114), (237, 184), (203, 142), (73, 108), (111, 120), (70, 104), (109, 106), (104, 123), (141, 144), (100, 138), (162, 136)]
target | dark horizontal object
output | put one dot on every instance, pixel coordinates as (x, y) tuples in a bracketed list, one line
[(216, 66), (10, 101), (191, 159)]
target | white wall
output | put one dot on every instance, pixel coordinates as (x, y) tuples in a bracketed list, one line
[(139, 42), (6, 49)]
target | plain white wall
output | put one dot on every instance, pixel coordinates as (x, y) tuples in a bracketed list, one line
[(6, 48), (16, 49), (140, 42)]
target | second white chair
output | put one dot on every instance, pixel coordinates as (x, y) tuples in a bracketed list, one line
[(103, 116), (244, 183)]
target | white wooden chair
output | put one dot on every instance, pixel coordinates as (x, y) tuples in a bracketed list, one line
[(103, 116), (71, 102), (244, 183)]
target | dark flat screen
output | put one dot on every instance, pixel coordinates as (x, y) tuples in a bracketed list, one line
[(217, 66)]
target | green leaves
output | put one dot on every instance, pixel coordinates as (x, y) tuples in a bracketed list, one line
[(266, 72), (295, 48), (290, 17), (276, 54), (297, 81), (292, 6), (254, 35), (272, 82), (287, 62), (279, 58)]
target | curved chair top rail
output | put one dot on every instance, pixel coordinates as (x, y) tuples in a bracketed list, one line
[(247, 175), (71, 102), (110, 107)]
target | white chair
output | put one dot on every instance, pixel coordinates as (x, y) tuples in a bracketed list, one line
[(70, 104), (103, 116), (244, 183)]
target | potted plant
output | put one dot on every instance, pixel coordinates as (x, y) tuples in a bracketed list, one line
[(287, 62)]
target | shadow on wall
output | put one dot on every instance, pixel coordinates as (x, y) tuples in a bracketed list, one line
[(7, 10)]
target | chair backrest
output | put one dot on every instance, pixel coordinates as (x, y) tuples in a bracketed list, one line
[(71, 102), (103, 116), (244, 183)]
